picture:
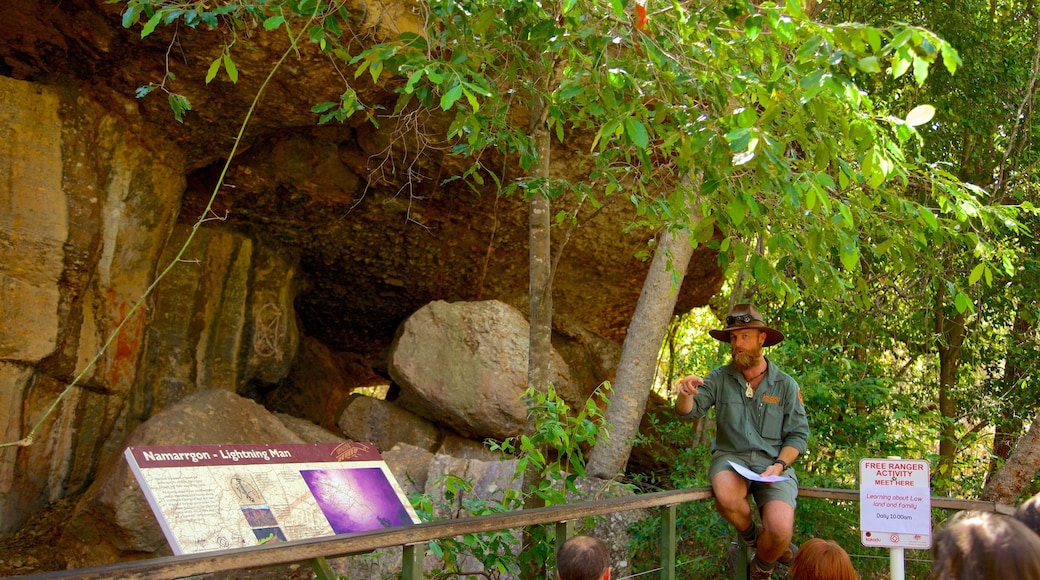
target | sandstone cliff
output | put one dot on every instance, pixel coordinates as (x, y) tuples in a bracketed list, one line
[(331, 235)]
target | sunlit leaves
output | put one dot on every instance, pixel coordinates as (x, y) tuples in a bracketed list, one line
[(769, 106), (149, 26)]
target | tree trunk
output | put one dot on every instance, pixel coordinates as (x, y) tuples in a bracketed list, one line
[(539, 255), (540, 277), (1007, 484), (950, 335), (639, 354)]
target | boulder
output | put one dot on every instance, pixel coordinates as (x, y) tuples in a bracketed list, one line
[(456, 446), (309, 432), (410, 466), (464, 365), (385, 424), (113, 522)]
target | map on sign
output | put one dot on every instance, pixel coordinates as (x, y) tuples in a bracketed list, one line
[(217, 497)]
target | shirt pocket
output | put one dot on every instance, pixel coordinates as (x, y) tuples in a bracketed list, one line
[(772, 422)]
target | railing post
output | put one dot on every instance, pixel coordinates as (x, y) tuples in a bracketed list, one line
[(563, 531), (742, 561), (412, 561), (322, 570), (668, 542)]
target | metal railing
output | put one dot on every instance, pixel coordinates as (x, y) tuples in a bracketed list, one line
[(413, 538)]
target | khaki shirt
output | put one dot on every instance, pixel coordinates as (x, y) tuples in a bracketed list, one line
[(773, 418)]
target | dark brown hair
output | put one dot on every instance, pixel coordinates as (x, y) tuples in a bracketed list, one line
[(1029, 513), (819, 559), (582, 558), (976, 544)]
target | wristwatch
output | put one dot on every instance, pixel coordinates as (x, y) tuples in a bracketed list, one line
[(781, 462)]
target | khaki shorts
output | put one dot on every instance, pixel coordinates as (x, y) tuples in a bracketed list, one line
[(757, 461)]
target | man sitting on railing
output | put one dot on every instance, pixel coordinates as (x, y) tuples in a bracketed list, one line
[(583, 558), (761, 426)]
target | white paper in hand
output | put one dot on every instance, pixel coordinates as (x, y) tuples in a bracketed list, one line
[(752, 476)]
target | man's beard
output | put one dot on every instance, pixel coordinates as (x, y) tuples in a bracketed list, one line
[(748, 359)]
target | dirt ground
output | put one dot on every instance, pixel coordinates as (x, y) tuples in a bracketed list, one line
[(33, 548)]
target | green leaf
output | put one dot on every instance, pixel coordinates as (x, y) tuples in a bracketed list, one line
[(412, 79), (900, 66), (737, 211), (920, 70), (951, 60), (180, 105), (229, 66), (929, 218), (637, 133), (869, 64), (746, 117), (435, 76), (131, 16), (784, 28), (149, 26), (874, 39), (807, 51), (825, 180), (214, 68), (962, 302), (739, 139), (568, 91), (274, 22), (849, 255), (472, 99), (846, 214), (619, 8), (976, 274), (448, 99), (920, 115), (753, 26), (477, 89)]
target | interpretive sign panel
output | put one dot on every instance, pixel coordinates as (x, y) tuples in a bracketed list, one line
[(216, 497), (895, 503)]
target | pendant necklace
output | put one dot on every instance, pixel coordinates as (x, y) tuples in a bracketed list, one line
[(749, 392)]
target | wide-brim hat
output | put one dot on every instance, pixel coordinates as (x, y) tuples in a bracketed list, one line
[(746, 316)]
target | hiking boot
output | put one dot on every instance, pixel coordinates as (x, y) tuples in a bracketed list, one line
[(788, 556), (758, 570)]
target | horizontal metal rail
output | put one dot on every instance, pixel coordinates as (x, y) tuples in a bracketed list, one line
[(317, 549)]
